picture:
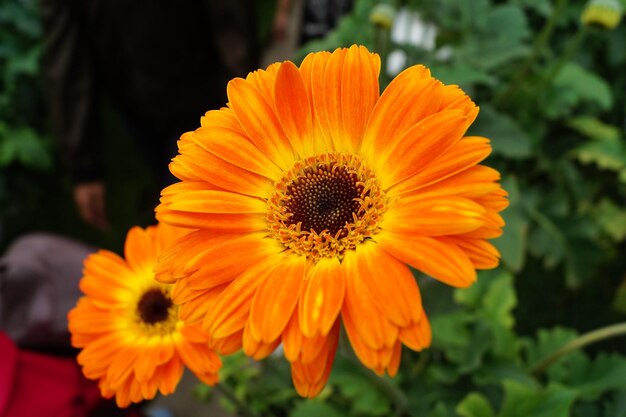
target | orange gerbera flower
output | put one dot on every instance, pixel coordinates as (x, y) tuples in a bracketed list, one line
[(128, 328), (311, 194)]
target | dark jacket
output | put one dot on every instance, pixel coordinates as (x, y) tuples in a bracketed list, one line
[(162, 63)]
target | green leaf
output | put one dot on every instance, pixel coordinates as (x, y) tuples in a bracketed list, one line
[(25, 146), (507, 21), (494, 373), (606, 372), (513, 242), (594, 128), (524, 401), (451, 330), (462, 75), (606, 154), (475, 405), (542, 7), (313, 408), (547, 343), (612, 219), (619, 301), (586, 85), (507, 137), (615, 406), (366, 397), (499, 300)]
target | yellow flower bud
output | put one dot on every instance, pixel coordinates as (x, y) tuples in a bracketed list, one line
[(382, 15), (602, 13)]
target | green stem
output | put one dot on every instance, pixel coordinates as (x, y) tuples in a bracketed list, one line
[(541, 42), (565, 57), (581, 341), (242, 409)]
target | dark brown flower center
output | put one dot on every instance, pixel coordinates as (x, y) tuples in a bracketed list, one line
[(154, 306), (324, 197), (326, 204)]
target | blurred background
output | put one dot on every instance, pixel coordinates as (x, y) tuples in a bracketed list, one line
[(85, 108)]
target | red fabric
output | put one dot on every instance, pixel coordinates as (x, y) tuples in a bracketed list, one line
[(38, 385)]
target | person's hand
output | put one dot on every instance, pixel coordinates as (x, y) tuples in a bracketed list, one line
[(90, 198)]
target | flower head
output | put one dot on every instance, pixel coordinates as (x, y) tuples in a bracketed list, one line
[(128, 328), (312, 193)]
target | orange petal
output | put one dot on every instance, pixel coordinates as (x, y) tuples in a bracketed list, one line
[(276, 298), (259, 121), (227, 345), (418, 335), (394, 361), (490, 230), (359, 310), (455, 98), (229, 223), (257, 349), (195, 309), (410, 97), (122, 366), (220, 261), (230, 312), (169, 374), (173, 259), (422, 143), (146, 363), (264, 81), (198, 357), (298, 347), (196, 164), (435, 217), (293, 339), (309, 379), (194, 333), (105, 269), (313, 69), (465, 154), (366, 354), (294, 109), (141, 248), (224, 117), (474, 182), (359, 92), (482, 253), (390, 284), (437, 257), (328, 101), (322, 297), (210, 201), (235, 147)]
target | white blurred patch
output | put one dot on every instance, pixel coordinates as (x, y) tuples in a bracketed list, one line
[(409, 29)]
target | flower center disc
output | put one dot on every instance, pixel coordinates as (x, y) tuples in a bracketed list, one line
[(154, 306), (324, 199), (325, 205)]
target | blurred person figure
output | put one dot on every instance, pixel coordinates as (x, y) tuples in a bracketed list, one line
[(39, 375), (318, 18), (162, 64)]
